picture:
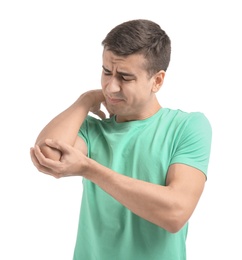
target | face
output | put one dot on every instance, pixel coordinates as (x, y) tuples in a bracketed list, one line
[(129, 91)]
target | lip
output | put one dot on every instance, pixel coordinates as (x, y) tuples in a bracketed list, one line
[(114, 100)]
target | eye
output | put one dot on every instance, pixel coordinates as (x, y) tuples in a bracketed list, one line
[(126, 78), (106, 72)]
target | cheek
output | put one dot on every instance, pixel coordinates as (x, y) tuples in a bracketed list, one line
[(105, 82), (102, 80)]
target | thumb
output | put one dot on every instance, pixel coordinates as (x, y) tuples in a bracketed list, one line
[(105, 105), (57, 144), (101, 114)]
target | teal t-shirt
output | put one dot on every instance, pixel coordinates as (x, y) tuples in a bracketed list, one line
[(144, 150)]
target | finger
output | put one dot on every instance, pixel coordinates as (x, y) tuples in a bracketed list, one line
[(34, 158), (40, 167), (57, 144), (45, 162), (105, 105), (101, 114)]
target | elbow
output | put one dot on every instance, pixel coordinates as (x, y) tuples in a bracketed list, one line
[(175, 220), (49, 152), (175, 226)]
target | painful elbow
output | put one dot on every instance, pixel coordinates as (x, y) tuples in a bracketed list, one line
[(50, 152)]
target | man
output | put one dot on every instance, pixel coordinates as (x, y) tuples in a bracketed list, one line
[(144, 168)]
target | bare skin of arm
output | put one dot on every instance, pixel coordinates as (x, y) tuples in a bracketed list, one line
[(59, 152), (168, 206), (65, 126)]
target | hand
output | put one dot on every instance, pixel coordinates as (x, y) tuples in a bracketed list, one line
[(72, 161), (96, 99)]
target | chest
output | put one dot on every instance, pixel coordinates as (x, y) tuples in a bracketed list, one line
[(143, 154)]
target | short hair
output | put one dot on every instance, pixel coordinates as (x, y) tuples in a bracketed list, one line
[(141, 37)]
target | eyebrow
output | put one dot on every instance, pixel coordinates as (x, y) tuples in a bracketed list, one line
[(120, 72)]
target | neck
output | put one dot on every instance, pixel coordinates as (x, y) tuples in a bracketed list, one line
[(139, 116)]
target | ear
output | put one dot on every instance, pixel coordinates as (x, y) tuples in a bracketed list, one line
[(158, 80)]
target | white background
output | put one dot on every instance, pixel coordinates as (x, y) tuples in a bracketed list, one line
[(50, 53)]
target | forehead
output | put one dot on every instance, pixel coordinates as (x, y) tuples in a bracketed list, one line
[(132, 62)]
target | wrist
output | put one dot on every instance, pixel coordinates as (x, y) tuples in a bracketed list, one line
[(92, 98)]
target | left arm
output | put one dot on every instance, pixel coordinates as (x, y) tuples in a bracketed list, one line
[(168, 206)]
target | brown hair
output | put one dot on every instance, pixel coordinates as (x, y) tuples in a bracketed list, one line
[(141, 37)]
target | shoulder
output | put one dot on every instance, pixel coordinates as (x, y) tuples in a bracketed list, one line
[(96, 123), (179, 116), (194, 128), (187, 124), (199, 122)]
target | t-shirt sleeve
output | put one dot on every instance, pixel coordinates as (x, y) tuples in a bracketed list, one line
[(194, 143), (83, 131)]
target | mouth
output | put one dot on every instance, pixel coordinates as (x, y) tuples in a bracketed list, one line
[(113, 100)]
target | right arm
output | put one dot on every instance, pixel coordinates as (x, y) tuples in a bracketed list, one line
[(65, 126)]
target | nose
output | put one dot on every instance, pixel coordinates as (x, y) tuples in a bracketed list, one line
[(112, 85)]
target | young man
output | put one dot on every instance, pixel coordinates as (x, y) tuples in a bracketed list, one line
[(144, 168)]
